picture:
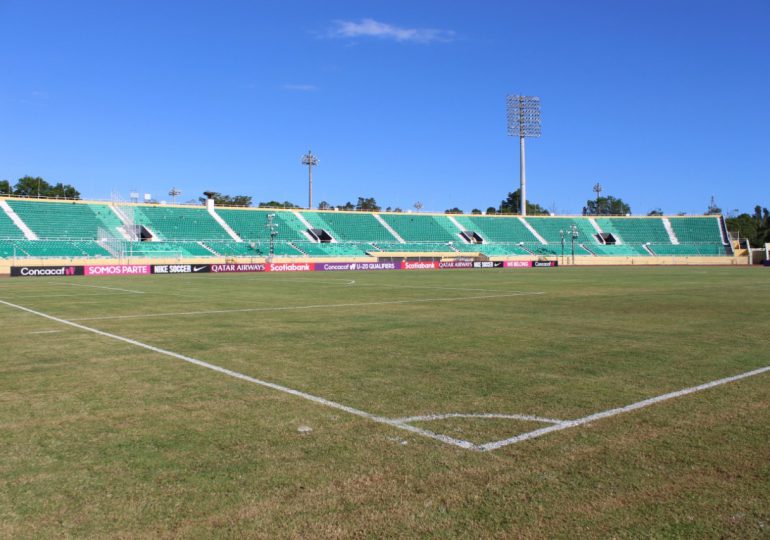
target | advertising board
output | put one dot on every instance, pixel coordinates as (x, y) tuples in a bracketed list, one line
[(456, 264), (333, 267), (118, 270), (181, 268), (342, 266), (488, 264), (46, 271), (419, 265), (243, 267), (289, 267)]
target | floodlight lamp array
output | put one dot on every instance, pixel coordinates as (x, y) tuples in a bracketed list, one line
[(309, 159), (523, 116)]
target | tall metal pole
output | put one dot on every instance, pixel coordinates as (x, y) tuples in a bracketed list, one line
[(523, 176), (311, 161), (574, 235)]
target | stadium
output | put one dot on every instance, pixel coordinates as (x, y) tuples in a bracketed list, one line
[(289, 339), (227, 368)]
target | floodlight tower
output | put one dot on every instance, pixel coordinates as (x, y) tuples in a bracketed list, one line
[(311, 161), (174, 193), (272, 227), (523, 121)]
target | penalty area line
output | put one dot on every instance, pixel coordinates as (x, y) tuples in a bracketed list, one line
[(285, 389), (619, 410), (313, 306), (98, 287)]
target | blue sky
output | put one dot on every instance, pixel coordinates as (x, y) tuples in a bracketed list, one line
[(664, 103)]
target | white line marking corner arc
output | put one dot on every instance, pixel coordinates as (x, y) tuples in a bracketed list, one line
[(400, 423)]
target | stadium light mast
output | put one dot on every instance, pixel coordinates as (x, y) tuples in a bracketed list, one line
[(597, 189), (311, 161), (174, 193), (523, 121), (272, 228), (573, 232)]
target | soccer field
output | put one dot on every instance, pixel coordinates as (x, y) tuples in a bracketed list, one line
[(533, 403)]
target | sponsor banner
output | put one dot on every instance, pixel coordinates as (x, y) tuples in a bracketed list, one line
[(518, 264), (289, 267), (180, 268), (333, 267), (456, 264), (766, 263), (341, 266), (544, 264), (244, 267), (118, 270), (488, 264), (46, 271), (419, 265)]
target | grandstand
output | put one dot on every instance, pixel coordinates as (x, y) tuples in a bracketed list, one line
[(49, 229)]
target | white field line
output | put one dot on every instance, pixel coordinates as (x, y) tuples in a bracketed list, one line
[(620, 410), (65, 295), (381, 286), (261, 277), (526, 417), (45, 332), (313, 306), (371, 285), (319, 400), (98, 287)]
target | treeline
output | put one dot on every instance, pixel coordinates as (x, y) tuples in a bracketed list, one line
[(34, 186), (753, 227)]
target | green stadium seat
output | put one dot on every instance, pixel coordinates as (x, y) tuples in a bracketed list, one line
[(350, 226), (179, 223), (252, 224), (65, 219)]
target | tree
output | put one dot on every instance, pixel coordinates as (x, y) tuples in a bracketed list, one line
[(606, 206), (655, 212), (476, 211), (323, 205), (745, 226), (491, 211), (29, 186), (454, 210), (347, 206), (754, 227), (227, 200), (5, 187), (367, 204), (63, 190), (713, 209), (276, 204), (512, 205)]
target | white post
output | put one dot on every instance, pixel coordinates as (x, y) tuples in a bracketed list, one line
[(523, 176), (310, 187)]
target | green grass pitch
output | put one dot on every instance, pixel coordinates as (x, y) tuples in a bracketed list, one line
[(117, 434)]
